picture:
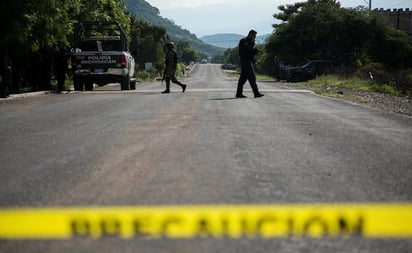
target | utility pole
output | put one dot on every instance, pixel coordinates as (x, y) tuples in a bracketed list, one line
[(370, 4)]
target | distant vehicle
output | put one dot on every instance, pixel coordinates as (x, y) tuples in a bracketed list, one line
[(308, 71), (229, 66), (204, 61), (100, 56)]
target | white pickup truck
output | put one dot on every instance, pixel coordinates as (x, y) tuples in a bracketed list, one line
[(100, 56)]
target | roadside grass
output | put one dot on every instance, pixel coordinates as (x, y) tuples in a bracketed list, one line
[(232, 73), (259, 77), (329, 84), (351, 97), (266, 78), (153, 75), (68, 84)]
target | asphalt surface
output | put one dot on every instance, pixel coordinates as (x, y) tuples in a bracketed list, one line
[(112, 147)]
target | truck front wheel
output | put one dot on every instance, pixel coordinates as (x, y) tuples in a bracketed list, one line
[(133, 85)]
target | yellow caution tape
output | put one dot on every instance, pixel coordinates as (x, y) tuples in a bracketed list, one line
[(376, 220)]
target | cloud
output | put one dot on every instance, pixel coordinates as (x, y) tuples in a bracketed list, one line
[(196, 3), (185, 4), (193, 4), (214, 16)]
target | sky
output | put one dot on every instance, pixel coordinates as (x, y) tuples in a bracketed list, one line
[(208, 17)]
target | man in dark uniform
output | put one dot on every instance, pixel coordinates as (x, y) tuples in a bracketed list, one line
[(6, 76), (60, 68), (171, 65), (247, 53)]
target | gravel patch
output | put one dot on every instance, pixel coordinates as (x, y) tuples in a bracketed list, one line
[(385, 102), (396, 104)]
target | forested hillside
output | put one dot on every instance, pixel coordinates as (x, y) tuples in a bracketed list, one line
[(143, 10)]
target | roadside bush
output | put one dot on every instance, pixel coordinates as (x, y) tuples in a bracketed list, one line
[(146, 75), (377, 73), (150, 75), (180, 69), (403, 80), (336, 81), (385, 79), (386, 89)]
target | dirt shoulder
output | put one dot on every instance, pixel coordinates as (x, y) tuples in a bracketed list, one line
[(402, 105)]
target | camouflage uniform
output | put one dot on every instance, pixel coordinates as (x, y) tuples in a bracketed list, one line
[(171, 65)]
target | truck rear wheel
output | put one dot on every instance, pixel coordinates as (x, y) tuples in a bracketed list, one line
[(125, 84), (133, 85)]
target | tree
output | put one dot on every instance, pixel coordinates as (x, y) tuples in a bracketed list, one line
[(103, 10), (189, 55), (147, 43), (309, 30), (231, 55), (321, 29), (33, 27), (388, 45), (185, 53), (32, 30)]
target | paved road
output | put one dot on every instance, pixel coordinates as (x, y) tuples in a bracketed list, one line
[(112, 147)]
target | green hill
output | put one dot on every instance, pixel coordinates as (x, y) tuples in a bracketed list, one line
[(143, 10), (225, 40)]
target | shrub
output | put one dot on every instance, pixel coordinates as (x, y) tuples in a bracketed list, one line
[(403, 80), (400, 79), (377, 73), (146, 75), (386, 89)]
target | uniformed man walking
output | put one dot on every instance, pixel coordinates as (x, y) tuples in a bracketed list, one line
[(247, 53), (171, 65), (60, 68)]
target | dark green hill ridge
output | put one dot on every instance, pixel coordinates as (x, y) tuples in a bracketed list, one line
[(143, 10)]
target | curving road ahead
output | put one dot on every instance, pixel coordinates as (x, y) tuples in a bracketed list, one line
[(112, 147)]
